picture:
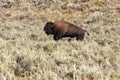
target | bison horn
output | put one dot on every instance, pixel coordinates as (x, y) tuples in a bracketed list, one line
[(52, 24)]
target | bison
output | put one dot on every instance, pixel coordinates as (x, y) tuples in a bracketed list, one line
[(62, 29)]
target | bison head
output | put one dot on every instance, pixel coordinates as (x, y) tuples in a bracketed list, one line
[(48, 28)]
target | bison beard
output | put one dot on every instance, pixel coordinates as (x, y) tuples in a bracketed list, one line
[(62, 29)]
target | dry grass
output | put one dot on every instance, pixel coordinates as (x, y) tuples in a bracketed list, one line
[(27, 53)]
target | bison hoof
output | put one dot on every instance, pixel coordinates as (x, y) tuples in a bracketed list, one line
[(56, 38)]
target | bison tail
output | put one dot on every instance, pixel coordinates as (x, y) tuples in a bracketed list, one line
[(87, 32)]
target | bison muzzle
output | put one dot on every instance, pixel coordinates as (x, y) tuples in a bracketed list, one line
[(60, 29)]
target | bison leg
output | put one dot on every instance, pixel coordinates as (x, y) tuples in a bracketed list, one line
[(69, 39), (57, 37), (80, 37)]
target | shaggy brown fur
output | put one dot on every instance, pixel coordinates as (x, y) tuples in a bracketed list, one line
[(64, 29)]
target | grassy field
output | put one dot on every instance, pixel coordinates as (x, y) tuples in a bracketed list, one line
[(27, 53)]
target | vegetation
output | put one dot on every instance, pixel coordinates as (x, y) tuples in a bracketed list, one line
[(27, 53)]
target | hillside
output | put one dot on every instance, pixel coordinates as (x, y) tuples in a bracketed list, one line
[(27, 53)]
